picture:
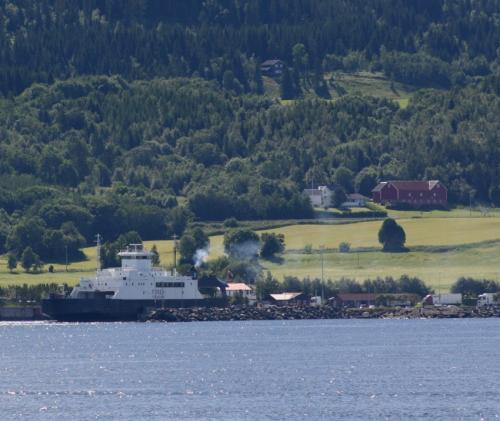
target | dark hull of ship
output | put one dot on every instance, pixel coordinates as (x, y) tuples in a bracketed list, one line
[(114, 310)]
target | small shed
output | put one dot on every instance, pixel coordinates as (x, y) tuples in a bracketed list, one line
[(286, 298), (234, 289), (355, 200)]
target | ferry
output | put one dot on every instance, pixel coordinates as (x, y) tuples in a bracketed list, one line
[(130, 292)]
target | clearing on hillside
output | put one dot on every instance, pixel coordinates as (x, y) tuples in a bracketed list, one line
[(360, 83)]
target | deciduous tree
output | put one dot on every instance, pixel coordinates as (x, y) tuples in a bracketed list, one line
[(392, 236)]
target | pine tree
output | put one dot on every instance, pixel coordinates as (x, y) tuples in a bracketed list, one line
[(11, 262), (259, 84), (287, 91), (156, 256)]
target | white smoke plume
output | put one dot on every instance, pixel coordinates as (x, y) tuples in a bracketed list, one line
[(200, 257), (246, 250)]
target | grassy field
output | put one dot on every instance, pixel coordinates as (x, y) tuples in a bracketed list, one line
[(360, 83), (443, 247), (419, 231), (271, 86), (454, 213), (368, 84), (439, 270)]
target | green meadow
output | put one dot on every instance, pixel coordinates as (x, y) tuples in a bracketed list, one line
[(368, 84), (443, 246), (359, 83)]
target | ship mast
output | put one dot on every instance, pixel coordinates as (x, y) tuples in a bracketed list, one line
[(98, 254)]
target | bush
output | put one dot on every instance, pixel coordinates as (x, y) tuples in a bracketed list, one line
[(344, 247), (29, 260), (241, 244), (338, 197), (238, 299), (265, 287), (271, 244), (474, 287), (187, 249), (421, 207), (231, 223)]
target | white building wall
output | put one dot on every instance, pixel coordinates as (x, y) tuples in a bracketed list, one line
[(320, 197)]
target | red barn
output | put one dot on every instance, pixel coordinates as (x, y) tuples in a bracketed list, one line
[(430, 192)]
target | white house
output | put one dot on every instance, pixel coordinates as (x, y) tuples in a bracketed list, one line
[(235, 288), (320, 197)]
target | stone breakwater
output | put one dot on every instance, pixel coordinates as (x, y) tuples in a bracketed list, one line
[(244, 313), (310, 312), (431, 312)]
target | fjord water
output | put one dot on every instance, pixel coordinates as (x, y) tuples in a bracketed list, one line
[(324, 369)]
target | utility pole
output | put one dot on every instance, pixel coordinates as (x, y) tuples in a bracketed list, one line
[(472, 193), (98, 254), (66, 249), (321, 249), (175, 251)]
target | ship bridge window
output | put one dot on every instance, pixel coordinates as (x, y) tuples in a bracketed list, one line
[(170, 285)]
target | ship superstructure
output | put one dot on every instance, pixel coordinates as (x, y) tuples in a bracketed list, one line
[(128, 292), (138, 279)]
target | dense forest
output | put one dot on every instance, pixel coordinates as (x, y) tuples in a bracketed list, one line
[(55, 39), (143, 116)]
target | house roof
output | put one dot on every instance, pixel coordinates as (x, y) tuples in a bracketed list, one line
[(380, 186), (237, 286), (433, 183), (409, 185), (356, 196), (271, 62), (285, 296), (362, 296)]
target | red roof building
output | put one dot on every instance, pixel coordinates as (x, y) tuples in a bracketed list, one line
[(431, 192)]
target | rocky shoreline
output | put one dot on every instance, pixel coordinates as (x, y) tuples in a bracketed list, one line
[(309, 312), (243, 313)]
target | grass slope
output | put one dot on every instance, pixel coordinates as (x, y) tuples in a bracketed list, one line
[(360, 83), (368, 84), (419, 231)]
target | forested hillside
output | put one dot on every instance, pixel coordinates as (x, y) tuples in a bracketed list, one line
[(46, 40), (145, 115)]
